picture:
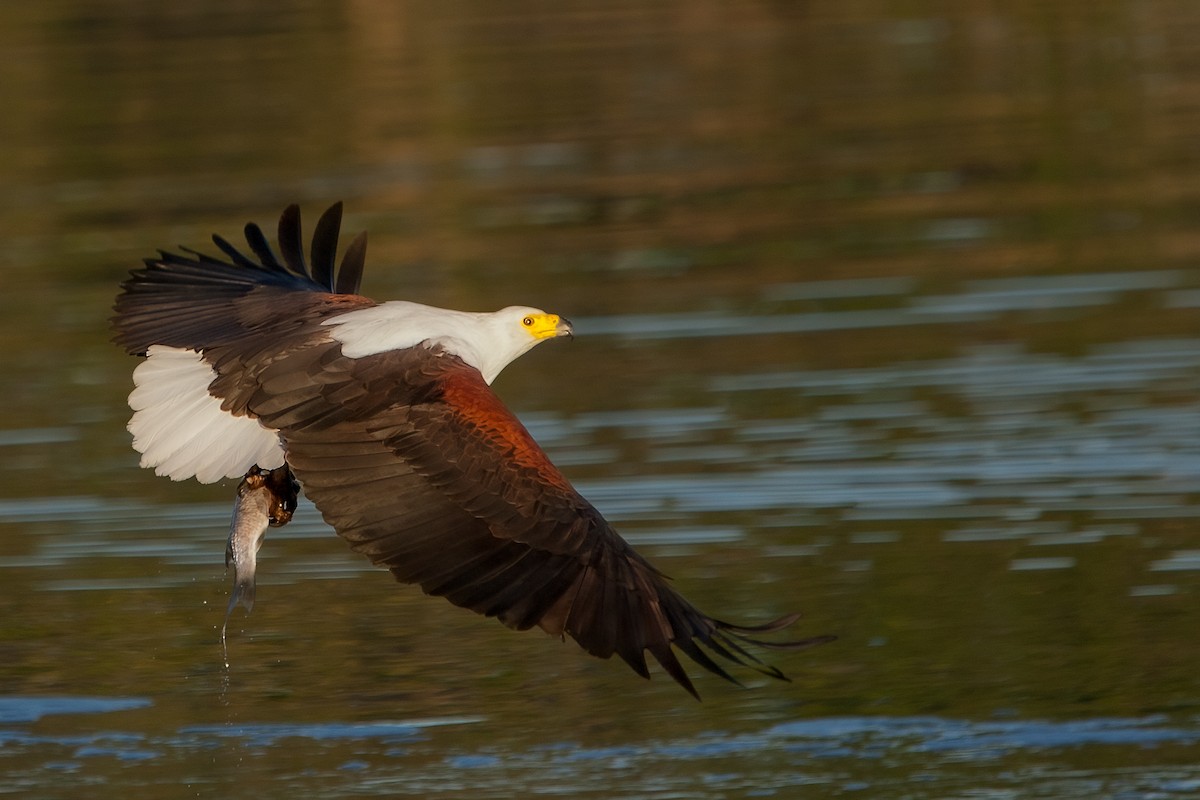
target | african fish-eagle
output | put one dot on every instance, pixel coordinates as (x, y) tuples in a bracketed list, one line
[(384, 414)]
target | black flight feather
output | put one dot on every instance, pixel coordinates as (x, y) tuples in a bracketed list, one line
[(291, 240), (261, 247), (350, 275), (324, 246)]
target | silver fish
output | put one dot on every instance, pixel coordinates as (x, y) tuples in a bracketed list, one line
[(251, 516), (264, 498)]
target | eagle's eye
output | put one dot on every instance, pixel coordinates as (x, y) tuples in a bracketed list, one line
[(527, 322)]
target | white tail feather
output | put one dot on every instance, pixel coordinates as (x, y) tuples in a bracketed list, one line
[(180, 429)]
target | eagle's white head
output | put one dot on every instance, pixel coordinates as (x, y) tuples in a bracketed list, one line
[(487, 341)]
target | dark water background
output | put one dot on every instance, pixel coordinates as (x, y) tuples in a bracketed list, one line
[(887, 312)]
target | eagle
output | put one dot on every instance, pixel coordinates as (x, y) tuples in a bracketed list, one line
[(274, 369)]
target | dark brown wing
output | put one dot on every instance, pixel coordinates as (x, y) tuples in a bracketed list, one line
[(197, 301), (412, 458)]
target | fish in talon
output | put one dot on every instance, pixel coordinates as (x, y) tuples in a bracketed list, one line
[(248, 528), (265, 498), (285, 490)]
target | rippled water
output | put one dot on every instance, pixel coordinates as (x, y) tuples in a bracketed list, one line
[(890, 316), (903, 756)]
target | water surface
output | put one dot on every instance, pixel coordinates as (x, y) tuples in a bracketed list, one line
[(890, 316)]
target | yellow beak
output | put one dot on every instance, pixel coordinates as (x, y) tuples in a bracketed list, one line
[(548, 326)]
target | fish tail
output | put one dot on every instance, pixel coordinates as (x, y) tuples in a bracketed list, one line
[(242, 594)]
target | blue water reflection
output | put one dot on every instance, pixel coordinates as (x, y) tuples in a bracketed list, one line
[(393, 756)]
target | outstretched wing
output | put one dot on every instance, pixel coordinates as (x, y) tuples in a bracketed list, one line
[(196, 301), (412, 458), (177, 307)]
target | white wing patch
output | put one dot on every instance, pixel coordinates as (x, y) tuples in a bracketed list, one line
[(180, 429)]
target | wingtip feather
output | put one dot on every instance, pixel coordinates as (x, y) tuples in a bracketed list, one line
[(324, 246), (291, 240)]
